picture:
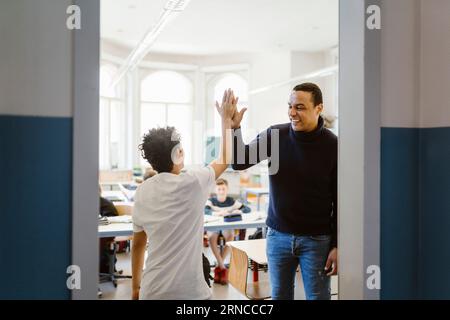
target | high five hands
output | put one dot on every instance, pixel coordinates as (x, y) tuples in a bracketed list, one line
[(228, 109)]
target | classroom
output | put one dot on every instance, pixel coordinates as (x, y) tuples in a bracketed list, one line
[(224, 150)]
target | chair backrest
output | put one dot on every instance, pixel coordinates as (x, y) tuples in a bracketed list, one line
[(237, 275), (124, 209)]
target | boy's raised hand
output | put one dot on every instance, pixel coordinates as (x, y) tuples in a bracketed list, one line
[(228, 107)]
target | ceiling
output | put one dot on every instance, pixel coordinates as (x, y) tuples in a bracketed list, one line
[(225, 26)]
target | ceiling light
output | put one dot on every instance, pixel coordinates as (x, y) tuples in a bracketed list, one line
[(171, 9), (176, 5)]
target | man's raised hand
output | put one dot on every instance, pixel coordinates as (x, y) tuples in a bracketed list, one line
[(227, 109), (237, 118)]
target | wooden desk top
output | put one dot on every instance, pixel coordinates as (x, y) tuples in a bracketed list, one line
[(255, 249)]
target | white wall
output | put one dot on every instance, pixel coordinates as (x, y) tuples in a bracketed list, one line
[(269, 107), (435, 64), (306, 62), (414, 79), (35, 70), (263, 69), (399, 63)]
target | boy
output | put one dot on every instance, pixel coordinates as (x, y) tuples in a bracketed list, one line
[(220, 206), (168, 211)]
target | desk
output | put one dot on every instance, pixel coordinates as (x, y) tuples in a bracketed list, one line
[(250, 220), (258, 192), (114, 196), (241, 253), (115, 230), (255, 249)]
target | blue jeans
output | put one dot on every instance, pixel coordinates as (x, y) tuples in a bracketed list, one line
[(284, 253)]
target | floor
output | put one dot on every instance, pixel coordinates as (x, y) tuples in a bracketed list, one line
[(219, 292)]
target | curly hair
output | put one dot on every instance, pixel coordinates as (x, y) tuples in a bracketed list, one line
[(157, 147)]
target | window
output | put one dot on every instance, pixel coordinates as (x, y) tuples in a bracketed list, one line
[(240, 87), (166, 100), (112, 122)]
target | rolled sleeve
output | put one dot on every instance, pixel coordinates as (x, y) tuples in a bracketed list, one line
[(137, 228)]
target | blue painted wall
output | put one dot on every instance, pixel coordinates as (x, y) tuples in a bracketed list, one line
[(434, 223), (399, 212), (415, 213), (36, 205)]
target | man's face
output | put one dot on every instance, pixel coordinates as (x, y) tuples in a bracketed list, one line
[(221, 191), (303, 114)]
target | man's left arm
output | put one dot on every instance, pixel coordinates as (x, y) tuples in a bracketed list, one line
[(335, 209), (332, 260)]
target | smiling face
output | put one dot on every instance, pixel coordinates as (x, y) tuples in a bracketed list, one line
[(221, 192), (304, 115)]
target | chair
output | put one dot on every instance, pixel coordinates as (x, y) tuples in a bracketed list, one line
[(238, 277), (112, 275), (124, 209)]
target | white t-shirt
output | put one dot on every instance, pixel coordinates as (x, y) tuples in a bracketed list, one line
[(169, 208)]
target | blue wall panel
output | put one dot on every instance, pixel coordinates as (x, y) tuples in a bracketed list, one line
[(415, 213), (36, 205), (399, 213), (434, 226)]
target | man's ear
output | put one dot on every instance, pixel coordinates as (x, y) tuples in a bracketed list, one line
[(319, 108)]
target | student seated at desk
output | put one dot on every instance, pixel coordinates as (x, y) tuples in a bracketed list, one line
[(168, 211), (220, 205), (107, 209)]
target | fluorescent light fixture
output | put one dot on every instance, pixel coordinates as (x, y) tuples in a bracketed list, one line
[(316, 74), (176, 5), (171, 9)]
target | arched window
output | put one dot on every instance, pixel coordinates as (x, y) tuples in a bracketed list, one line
[(112, 122), (166, 100), (240, 87)]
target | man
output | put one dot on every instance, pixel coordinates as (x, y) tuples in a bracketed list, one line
[(169, 212), (302, 217)]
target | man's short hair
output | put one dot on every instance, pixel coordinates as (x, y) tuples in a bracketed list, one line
[(313, 89), (221, 181), (157, 148)]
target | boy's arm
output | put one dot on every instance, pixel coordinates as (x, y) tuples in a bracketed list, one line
[(221, 164), (240, 207), (137, 261), (226, 110), (209, 208)]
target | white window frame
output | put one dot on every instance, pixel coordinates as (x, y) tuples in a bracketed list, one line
[(148, 69)]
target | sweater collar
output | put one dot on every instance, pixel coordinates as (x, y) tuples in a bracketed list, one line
[(308, 136)]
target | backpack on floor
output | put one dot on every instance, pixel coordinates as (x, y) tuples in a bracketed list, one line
[(207, 270)]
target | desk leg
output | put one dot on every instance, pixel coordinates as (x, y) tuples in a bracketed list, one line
[(255, 272)]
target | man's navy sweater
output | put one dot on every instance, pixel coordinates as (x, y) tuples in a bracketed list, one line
[(303, 191)]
